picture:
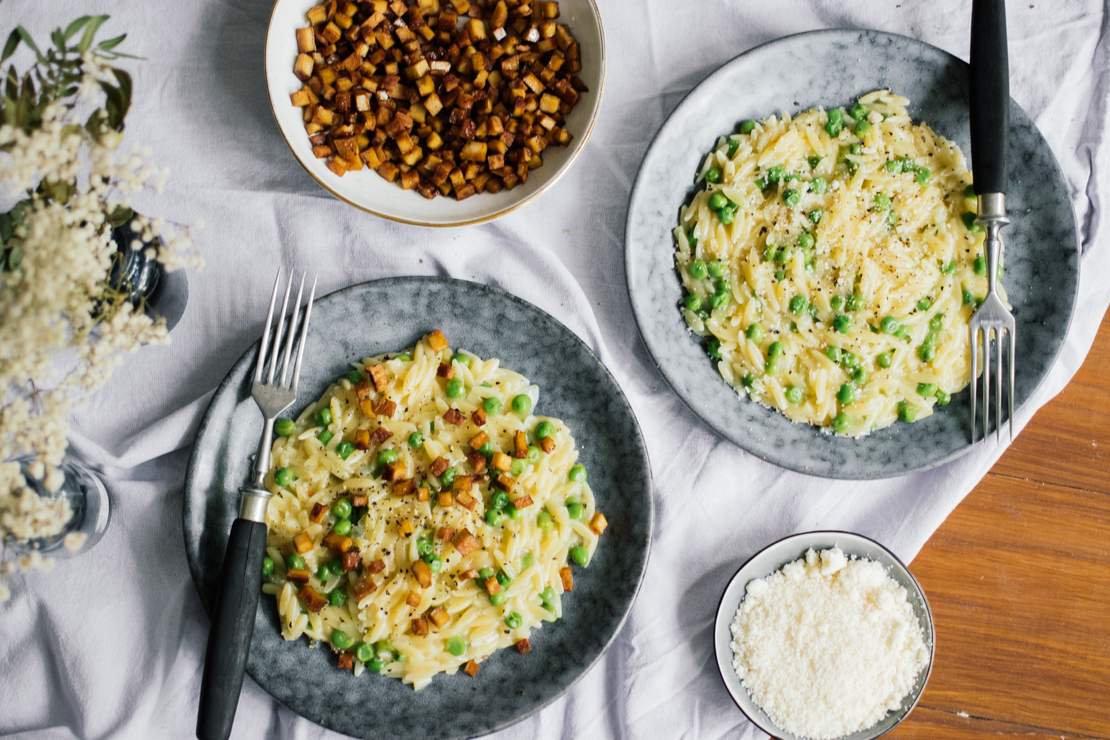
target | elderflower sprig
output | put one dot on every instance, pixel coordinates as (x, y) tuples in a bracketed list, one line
[(65, 324)]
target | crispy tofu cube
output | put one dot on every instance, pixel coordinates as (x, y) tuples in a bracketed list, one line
[(302, 543), (436, 340), (423, 573), (598, 523)]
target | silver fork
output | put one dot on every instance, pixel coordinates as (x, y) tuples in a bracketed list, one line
[(990, 99), (274, 390)]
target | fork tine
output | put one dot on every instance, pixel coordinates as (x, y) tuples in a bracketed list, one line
[(974, 376), (998, 390), (291, 336), (261, 362), (278, 334), (986, 381), (1010, 395), (304, 334)]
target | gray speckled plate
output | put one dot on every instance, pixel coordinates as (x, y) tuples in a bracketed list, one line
[(833, 68), (390, 315)]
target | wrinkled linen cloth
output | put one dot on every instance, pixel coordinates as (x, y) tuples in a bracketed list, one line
[(111, 644)]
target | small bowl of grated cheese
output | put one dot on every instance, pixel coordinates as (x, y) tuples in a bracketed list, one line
[(824, 635)]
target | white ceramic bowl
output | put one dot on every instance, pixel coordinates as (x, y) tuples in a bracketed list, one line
[(770, 559), (366, 190)]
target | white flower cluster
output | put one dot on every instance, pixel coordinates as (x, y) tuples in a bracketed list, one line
[(63, 328)]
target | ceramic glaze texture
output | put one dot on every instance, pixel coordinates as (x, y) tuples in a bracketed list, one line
[(830, 68), (390, 315)]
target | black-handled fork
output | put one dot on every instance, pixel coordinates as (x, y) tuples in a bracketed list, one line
[(274, 390), (990, 99)]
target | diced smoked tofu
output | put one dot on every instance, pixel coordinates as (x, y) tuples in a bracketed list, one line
[(445, 499), (478, 440), (477, 462), (312, 599), (567, 577), (471, 668), (350, 560), (302, 67), (363, 588), (478, 416), (319, 513), (462, 483), (301, 98), (403, 487), (520, 444), (380, 435), (297, 575), (465, 542), (413, 599), (453, 416), (445, 533), (491, 585), (436, 340), (338, 542), (380, 376), (362, 439), (439, 617), (423, 573), (302, 543), (523, 646), (359, 499), (408, 526), (522, 502), (598, 523), (420, 627), (446, 370), (438, 466), (505, 482), (376, 566), (385, 407), (345, 661), (423, 493), (465, 500), (501, 461), (547, 444)]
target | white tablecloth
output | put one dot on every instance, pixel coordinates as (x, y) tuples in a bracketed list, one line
[(110, 644)]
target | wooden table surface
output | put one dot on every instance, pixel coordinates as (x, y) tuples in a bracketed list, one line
[(1019, 581)]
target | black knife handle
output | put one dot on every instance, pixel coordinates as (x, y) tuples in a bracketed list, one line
[(990, 95), (232, 625)]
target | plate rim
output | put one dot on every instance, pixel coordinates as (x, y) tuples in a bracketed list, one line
[(207, 419), (723, 665), (835, 472), (575, 151)]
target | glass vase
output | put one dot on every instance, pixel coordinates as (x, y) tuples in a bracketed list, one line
[(90, 507)]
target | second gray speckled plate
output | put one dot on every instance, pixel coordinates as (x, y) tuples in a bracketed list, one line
[(390, 315), (833, 68)]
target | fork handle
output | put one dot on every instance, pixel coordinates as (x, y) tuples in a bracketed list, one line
[(232, 625), (990, 95)]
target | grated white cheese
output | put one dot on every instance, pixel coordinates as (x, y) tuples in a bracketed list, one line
[(827, 645)]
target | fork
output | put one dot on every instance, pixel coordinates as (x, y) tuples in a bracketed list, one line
[(990, 97), (274, 389)]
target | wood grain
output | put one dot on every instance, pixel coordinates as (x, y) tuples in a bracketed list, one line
[(1019, 581)]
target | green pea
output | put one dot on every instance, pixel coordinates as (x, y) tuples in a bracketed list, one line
[(544, 429), (893, 166), (846, 394), (858, 111), (890, 325), (747, 126), (855, 148), (969, 191), (970, 220), (387, 456), (435, 564), (364, 652), (833, 353), (733, 145), (577, 473), (462, 358), (416, 441), (521, 404), (355, 376), (835, 123), (579, 555), (526, 561), (836, 303), (293, 561), (922, 175), (727, 214), (862, 126), (842, 323), (882, 201), (343, 527), (697, 269), (574, 509), (717, 201), (776, 174), (927, 351), (943, 398), (794, 394), (980, 265), (713, 174), (718, 300), (849, 360), (547, 598), (267, 566), (754, 332), (513, 620), (949, 268), (491, 405), (448, 477), (884, 360), (323, 416), (815, 215), (937, 322), (924, 304), (494, 517), (692, 302), (454, 388), (340, 639), (283, 477), (455, 645), (284, 427), (341, 509), (716, 269), (517, 468), (534, 453), (486, 573), (713, 348), (337, 596), (851, 166), (325, 436), (344, 449), (818, 185), (791, 197), (775, 350), (926, 389), (761, 183), (854, 302), (907, 412), (497, 599), (840, 422), (544, 520), (375, 665), (498, 500), (860, 375), (797, 304), (968, 298)]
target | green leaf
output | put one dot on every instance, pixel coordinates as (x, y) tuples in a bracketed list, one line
[(58, 39), (7, 227), (10, 45), (26, 37), (120, 215), (90, 32), (109, 44), (15, 256), (76, 26)]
